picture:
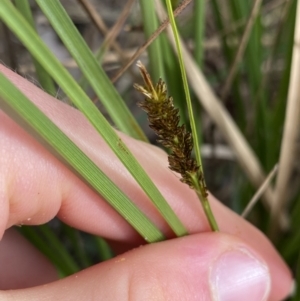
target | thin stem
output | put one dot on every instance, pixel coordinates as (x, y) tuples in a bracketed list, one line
[(260, 191), (212, 105), (200, 190), (164, 120), (208, 212), (185, 84), (199, 186)]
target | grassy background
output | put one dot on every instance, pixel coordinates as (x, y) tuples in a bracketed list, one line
[(245, 54)]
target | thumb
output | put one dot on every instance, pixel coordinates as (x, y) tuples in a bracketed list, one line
[(208, 266)]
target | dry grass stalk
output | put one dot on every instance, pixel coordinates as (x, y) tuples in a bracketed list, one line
[(290, 133), (260, 191), (160, 29), (99, 23)]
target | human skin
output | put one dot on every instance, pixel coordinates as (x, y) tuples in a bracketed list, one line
[(35, 187)]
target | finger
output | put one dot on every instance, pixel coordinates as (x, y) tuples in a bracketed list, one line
[(21, 264), (38, 186), (206, 267)]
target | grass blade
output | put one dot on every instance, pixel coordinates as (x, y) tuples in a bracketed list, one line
[(43, 77), (34, 44), (199, 25), (13, 99), (88, 64), (51, 247), (151, 39), (241, 49), (291, 130), (260, 191), (228, 54), (109, 35), (155, 50), (198, 184), (220, 116), (185, 84)]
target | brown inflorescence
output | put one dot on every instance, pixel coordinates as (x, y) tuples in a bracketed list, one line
[(164, 120)]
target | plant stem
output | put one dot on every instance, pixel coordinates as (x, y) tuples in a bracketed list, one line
[(202, 195), (199, 186), (164, 120), (185, 83)]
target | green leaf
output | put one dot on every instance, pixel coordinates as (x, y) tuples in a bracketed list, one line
[(88, 64), (199, 25), (38, 49), (198, 186), (43, 77), (49, 244), (155, 50), (13, 101)]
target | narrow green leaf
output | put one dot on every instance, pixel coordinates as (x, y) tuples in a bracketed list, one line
[(43, 77), (199, 25), (228, 53), (199, 186), (104, 89), (78, 248), (12, 99), (38, 49), (155, 51), (103, 248), (174, 81), (58, 248), (185, 83), (64, 262), (278, 114)]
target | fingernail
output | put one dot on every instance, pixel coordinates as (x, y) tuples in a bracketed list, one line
[(237, 275)]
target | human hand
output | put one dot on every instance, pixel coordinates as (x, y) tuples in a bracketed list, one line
[(237, 264)]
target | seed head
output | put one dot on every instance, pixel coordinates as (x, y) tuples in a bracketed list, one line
[(164, 120)]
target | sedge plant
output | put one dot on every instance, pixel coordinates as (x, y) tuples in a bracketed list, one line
[(253, 110), (164, 120)]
